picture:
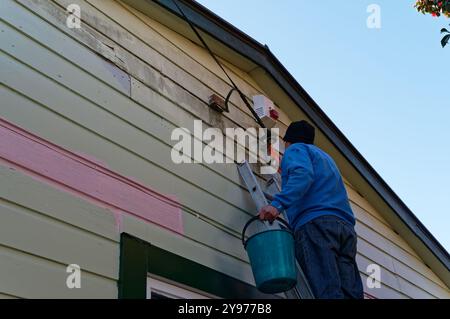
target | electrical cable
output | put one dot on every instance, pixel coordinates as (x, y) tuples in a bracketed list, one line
[(233, 84)]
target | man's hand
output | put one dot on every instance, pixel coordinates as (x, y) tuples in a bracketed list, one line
[(269, 213)]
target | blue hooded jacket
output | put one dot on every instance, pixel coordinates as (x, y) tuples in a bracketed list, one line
[(311, 186)]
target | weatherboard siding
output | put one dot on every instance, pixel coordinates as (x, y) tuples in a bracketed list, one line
[(119, 86), (42, 231)]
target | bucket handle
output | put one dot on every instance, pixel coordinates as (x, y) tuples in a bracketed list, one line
[(251, 220)]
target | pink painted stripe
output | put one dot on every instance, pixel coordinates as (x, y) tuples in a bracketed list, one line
[(87, 177)]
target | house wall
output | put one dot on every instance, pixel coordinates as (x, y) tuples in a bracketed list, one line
[(100, 103)]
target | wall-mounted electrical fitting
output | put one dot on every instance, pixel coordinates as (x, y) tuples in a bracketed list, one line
[(217, 103), (265, 110), (274, 114)]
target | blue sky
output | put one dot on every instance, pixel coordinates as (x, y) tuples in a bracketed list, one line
[(386, 89)]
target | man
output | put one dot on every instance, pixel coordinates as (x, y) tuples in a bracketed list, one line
[(315, 200)]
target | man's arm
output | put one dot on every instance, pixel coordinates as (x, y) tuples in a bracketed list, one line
[(300, 177)]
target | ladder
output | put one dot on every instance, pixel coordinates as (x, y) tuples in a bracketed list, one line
[(261, 198)]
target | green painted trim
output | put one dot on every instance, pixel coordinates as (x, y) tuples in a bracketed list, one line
[(138, 258), (133, 268)]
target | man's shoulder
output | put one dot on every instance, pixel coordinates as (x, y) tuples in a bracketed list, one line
[(319, 155), (313, 151), (301, 147)]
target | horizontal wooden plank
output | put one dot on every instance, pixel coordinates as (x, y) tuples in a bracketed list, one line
[(359, 200), (387, 278), (214, 237), (28, 276), (56, 204), (400, 284), (388, 247), (31, 232), (384, 292), (117, 78), (421, 280), (424, 293), (381, 228), (406, 271), (6, 296)]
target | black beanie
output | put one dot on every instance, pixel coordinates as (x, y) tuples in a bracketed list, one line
[(300, 132)]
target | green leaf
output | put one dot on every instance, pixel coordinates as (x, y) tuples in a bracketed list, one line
[(445, 40)]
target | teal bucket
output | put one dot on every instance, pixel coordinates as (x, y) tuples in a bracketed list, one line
[(272, 257)]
